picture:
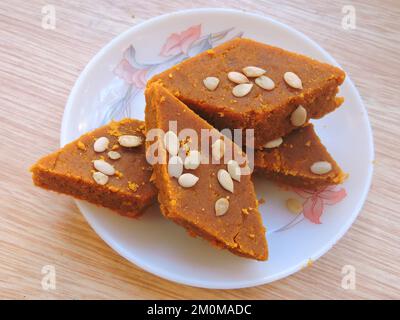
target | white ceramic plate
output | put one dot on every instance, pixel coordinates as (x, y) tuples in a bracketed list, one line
[(111, 86)]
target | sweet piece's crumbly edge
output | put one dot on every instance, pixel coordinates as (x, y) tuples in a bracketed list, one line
[(269, 164), (117, 199)]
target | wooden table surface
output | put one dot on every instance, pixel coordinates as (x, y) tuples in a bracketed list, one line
[(38, 68)]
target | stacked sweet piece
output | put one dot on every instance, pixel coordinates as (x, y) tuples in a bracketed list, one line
[(203, 187), (208, 197), (249, 85)]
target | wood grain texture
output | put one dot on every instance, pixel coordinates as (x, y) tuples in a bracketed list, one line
[(37, 70)]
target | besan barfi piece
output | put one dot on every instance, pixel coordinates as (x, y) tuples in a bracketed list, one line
[(250, 85), (299, 160), (106, 167), (209, 199)]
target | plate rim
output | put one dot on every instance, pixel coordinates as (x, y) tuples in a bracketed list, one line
[(165, 274)]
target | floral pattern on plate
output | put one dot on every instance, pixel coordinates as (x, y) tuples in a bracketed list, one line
[(134, 74), (314, 203)]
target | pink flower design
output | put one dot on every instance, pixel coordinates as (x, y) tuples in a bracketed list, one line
[(130, 74), (180, 42), (315, 201)]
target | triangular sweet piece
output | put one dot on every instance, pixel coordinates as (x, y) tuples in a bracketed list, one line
[(197, 199), (280, 92), (301, 161), (118, 179)]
